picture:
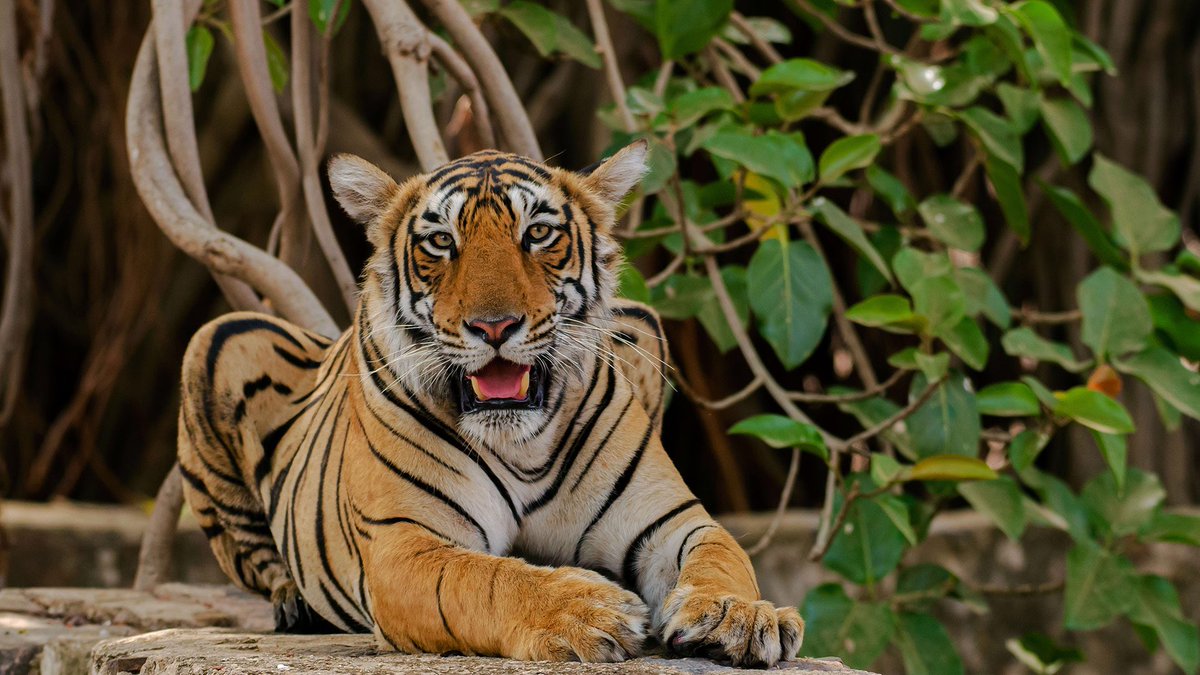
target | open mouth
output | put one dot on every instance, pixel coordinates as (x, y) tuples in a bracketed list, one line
[(502, 385)]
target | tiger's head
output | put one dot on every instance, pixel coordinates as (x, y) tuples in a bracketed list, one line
[(490, 280)]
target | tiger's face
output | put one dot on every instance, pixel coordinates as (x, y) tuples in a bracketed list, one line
[(490, 278)]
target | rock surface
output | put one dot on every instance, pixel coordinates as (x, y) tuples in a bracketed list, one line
[(193, 652)]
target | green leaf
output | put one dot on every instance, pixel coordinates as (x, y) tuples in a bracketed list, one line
[(946, 424), (932, 366), (835, 624), (968, 13), (1041, 654), (686, 26), (846, 154), (791, 293), (885, 469), (277, 62), (999, 500), (633, 285), (897, 511), (1021, 106), (1142, 222), (849, 230), (918, 585), (1123, 511), (997, 135), (1115, 452), (940, 300), (924, 644), (1166, 376), (1026, 343), (321, 11), (1067, 511), (955, 223), (1050, 34), (983, 296), (1116, 318), (1094, 411), (890, 312), (872, 411), (774, 155), (1008, 399), (1177, 528), (952, 467), (1078, 215), (912, 265), (778, 431), (1025, 447), (800, 75), (1175, 328), (888, 186), (553, 33), (1185, 287), (1010, 193), (1156, 605), (199, 47), (868, 546), (967, 341), (690, 107), (713, 318), (1100, 587), (1069, 128), (682, 296)]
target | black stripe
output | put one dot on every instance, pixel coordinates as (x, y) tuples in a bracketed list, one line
[(431, 491), (600, 446), (438, 593), (679, 558), (617, 490), (629, 567), (302, 362)]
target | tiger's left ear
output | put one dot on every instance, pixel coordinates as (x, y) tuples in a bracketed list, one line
[(618, 175)]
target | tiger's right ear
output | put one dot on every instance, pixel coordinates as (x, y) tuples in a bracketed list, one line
[(362, 188)]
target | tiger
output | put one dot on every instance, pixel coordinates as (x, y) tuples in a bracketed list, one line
[(474, 466)]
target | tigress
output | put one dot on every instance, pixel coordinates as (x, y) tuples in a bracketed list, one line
[(490, 400)]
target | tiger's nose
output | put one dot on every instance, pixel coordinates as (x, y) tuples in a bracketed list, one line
[(495, 331)]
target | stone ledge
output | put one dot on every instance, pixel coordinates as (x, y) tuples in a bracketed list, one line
[(212, 650)]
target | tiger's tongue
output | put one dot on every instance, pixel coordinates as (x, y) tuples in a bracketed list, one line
[(500, 379)]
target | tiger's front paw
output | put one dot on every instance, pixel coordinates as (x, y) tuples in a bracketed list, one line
[(725, 628), (581, 616)]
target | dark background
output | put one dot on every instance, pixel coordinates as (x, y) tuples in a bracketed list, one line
[(115, 303)]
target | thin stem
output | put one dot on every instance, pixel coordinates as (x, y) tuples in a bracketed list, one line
[(785, 496), (768, 52), (863, 395), (612, 70)]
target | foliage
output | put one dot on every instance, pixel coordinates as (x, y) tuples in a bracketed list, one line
[(758, 177), (756, 168)]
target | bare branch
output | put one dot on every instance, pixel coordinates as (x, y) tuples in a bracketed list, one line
[(159, 188), (171, 18), (720, 403), (154, 557), (785, 496), (306, 143), (497, 87), (612, 70), (17, 308), (251, 53), (768, 52), (454, 64), (869, 392), (900, 415), (406, 43)]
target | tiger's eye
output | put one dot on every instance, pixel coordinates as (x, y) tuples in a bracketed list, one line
[(537, 232), (442, 240)]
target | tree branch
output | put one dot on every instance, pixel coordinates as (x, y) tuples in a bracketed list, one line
[(497, 87), (17, 309), (612, 70), (306, 143), (160, 190), (406, 43)]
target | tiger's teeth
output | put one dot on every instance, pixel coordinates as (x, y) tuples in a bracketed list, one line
[(524, 385), (475, 387)]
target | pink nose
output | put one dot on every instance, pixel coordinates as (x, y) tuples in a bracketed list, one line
[(495, 332)]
